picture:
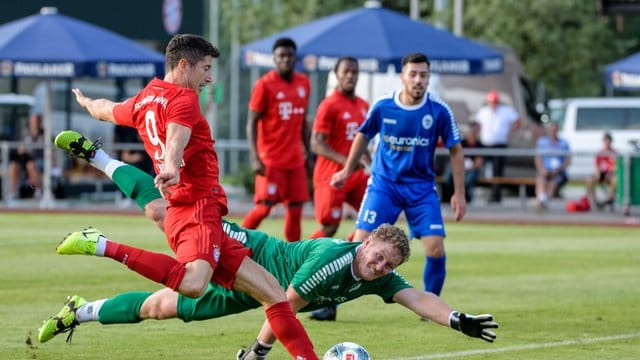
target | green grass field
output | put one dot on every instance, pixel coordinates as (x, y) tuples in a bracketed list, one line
[(557, 292)]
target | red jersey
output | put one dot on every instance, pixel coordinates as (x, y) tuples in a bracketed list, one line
[(283, 106), (606, 161), (150, 112), (339, 117)]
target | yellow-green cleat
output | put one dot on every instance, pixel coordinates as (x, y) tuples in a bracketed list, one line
[(63, 321), (80, 242), (76, 144)]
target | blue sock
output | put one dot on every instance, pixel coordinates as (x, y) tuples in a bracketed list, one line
[(434, 274)]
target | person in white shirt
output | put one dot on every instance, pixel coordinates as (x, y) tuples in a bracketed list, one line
[(498, 121)]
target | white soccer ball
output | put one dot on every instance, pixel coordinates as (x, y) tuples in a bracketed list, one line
[(346, 351)]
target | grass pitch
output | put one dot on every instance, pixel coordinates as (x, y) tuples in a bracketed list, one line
[(557, 292)]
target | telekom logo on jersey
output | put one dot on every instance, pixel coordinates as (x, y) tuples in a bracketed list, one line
[(285, 109)]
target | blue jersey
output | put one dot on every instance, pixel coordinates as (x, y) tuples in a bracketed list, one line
[(408, 137)]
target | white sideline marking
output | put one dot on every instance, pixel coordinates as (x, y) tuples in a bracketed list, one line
[(520, 347)]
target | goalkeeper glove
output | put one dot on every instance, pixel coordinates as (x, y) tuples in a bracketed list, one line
[(474, 325), (257, 351)]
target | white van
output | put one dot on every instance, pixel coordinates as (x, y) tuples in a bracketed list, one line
[(583, 122)]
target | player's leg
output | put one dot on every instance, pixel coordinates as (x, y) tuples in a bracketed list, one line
[(133, 182), (327, 204), (357, 187), (265, 196), (296, 193), (426, 222), (255, 281)]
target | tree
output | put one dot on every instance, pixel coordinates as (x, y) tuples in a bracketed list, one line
[(562, 43)]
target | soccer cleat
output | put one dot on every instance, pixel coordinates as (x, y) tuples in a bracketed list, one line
[(80, 242), (325, 314), (63, 321), (77, 144)]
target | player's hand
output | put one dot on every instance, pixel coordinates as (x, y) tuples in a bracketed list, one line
[(249, 355), (474, 325), (458, 205), (164, 181), (256, 352), (80, 97), (339, 179), (258, 167)]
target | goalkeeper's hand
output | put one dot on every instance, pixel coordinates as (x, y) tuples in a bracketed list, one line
[(474, 325), (256, 352)]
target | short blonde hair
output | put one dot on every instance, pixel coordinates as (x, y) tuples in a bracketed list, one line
[(396, 236)]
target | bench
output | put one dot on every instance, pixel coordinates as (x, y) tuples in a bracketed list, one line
[(520, 182)]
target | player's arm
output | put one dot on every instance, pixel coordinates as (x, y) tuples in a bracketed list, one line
[(458, 202), (306, 142), (252, 139), (101, 109), (358, 147), (177, 138), (428, 305), (265, 340), (320, 147)]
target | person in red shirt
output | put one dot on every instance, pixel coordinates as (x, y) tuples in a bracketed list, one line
[(337, 121), (176, 136), (605, 174), (278, 133)]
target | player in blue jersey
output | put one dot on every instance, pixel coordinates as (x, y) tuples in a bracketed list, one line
[(410, 122)]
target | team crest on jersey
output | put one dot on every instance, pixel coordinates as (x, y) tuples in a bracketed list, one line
[(302, 92), (280, 95), (216, 253), (427, 121)]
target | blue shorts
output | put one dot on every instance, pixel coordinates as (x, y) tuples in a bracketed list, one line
[(384, 200)]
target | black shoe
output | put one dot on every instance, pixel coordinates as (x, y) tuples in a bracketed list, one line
[(325, 314)]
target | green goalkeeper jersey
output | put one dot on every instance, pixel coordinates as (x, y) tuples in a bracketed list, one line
[(319, 270)]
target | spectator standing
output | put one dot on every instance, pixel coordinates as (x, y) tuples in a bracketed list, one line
[(551, 161), (605, 174), (498, 122), (278, 136), (409, 122), (28, 159), (337, 121), (473, 164)]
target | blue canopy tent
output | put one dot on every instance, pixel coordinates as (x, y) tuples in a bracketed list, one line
[(50, 45), (623, 74), (377, 37)]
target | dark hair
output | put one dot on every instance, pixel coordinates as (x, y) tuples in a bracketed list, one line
[(284, 41), (342, 59), (192, 48), (415, 58)]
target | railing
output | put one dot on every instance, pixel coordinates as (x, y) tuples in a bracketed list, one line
[(229, 152)]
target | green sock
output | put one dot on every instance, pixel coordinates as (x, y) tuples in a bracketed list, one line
[(123, 308), (136, 184)]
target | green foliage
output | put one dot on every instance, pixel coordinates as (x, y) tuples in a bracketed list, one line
[(244, 178), (563, 43), (553, 285)]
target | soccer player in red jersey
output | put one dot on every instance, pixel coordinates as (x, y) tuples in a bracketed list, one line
[(177, 137), (337, 121), (278, 133)]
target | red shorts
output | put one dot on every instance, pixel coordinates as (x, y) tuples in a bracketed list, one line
[(328, 200), (194, 231), (282, 185)]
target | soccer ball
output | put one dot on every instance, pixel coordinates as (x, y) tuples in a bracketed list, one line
[(346, 351)]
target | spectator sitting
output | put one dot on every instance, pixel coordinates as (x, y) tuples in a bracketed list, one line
[(473, 164), (137, 158), (551, 163), (605, 174), (27, 162)]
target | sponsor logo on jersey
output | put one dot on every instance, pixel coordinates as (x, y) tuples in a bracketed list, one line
[(435, 226), (389, 121), (405, 143), (354, 287)]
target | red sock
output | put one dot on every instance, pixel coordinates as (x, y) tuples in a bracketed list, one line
[(290, 332), (158, 267), (318, 234), (253, 219), (292, 219)]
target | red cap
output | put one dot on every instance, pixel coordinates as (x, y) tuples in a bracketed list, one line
[(493, 96)]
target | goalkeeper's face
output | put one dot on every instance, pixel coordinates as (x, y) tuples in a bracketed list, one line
[(375, 259)]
